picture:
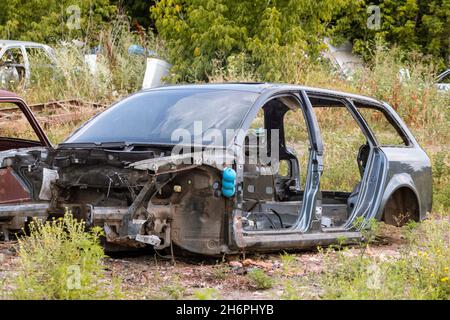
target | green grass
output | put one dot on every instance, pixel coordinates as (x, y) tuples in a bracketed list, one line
[(420, 271), (288, 260), (207, 294), (174, 290), (260, 280)]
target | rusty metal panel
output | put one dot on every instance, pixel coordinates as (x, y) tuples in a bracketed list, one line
[(11, 190)]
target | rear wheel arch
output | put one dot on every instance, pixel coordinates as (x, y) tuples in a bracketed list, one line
[(402, 206)]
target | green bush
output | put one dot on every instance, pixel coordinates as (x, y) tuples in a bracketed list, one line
[(207, 294), (288, 261), (174, 290), (417, 25), (290, 291), (260, 280), (60, 260), (441, 179), (271, 34)]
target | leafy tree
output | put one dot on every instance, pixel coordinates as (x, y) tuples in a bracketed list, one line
[(434, 27), (49, 21), (138, 10), (420, 25), (198, 32)]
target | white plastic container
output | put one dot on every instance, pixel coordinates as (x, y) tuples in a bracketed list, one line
[(156, 70), (91, 61)]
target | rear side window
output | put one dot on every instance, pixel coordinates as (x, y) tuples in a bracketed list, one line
[(38, 57), (386, 131)]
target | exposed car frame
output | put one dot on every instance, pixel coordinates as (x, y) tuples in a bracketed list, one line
[(195, 215), (25, 69)]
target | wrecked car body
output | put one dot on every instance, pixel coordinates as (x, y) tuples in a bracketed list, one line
[(185, 166), (17, 61)]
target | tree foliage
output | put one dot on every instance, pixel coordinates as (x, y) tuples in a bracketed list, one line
[(138, 10), (49, 21), (203, 34), (198, 32), (413, 25)]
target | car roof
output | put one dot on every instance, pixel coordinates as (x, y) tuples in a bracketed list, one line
[(18, 42), (250, 87), (8, 94), (262, 87), (443, 74)]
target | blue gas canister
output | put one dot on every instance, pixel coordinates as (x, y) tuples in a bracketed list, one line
[(228, 182)]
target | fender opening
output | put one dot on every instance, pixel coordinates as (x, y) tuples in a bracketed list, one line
[(401, 207)]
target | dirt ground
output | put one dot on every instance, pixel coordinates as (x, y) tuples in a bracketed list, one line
[(147, 275)]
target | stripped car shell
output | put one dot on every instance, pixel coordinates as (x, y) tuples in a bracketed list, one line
[(15, 61), (143, 194)]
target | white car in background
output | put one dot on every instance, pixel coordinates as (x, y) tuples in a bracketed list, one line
[(16, 61), (443, 81)]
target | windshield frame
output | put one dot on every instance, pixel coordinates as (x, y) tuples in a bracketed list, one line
[(167, 89)]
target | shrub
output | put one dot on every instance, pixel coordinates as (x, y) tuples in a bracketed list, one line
[(260, 280), (60, 260), (220, 272), (288, 260), (207, 294), (290, 291), (441, 179), (174, 290), (47, 21)]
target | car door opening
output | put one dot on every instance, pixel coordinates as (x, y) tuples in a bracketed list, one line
[(273, 190), (345, 146)]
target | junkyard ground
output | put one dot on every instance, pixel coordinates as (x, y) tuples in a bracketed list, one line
[(146, 275)]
